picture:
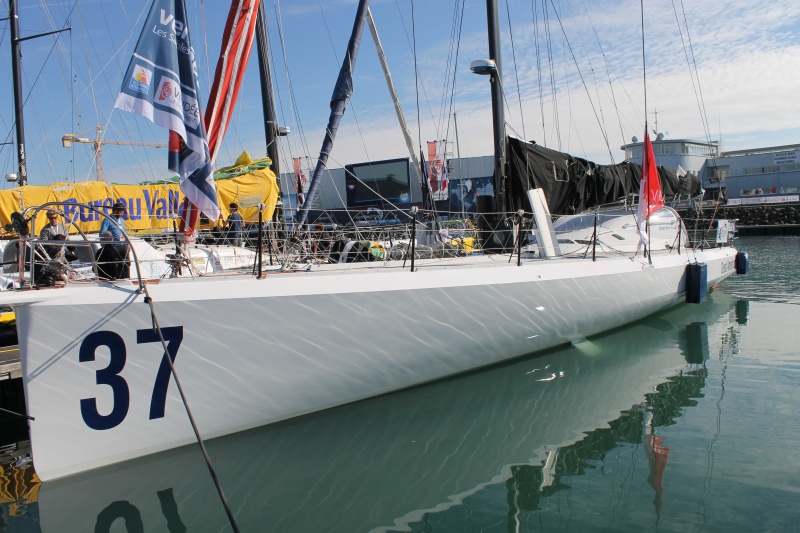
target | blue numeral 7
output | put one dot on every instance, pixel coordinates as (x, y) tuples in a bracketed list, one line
[(173, 336)]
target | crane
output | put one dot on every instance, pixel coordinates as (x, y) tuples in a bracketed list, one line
[(98, 143)]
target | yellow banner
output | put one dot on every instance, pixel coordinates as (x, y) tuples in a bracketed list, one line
[(149, 208)]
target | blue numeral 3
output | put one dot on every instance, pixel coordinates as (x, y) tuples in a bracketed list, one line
[(106, 376)]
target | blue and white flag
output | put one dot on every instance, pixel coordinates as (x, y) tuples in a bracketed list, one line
[(161, 85)]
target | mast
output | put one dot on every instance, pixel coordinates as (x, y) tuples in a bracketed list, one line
[(267, 97), (498, 115), (341, 96), (16, 74)]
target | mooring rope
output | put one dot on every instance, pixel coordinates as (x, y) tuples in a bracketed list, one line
[(149, 301)]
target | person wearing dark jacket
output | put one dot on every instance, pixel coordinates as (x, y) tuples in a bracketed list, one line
[(111, 261), (235, 225)]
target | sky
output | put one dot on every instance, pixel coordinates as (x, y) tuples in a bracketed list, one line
[(574, 79)]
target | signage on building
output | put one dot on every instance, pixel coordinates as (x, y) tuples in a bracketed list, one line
[(785, 158)]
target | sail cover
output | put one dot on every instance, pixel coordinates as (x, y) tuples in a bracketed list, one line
[(161, 85), (573, 184)]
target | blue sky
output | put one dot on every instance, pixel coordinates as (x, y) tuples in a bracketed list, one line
[(744, 61)]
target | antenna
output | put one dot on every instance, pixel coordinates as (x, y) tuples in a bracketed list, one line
[(655, 120)]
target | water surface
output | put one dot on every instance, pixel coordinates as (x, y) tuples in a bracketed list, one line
[(684, 421)]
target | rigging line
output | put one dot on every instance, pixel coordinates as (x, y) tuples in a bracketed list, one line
[(419, 122), (608, 72), (286, 146), (49, 18), (124, 13), (294, 108), (294, 111), (30, 93), (292, 97), (455, 70), (10, 129), (89, 70), (120, 74), (111, 90), (72, 101), (205, 39), (551, 71), (700, 102), (294, 118), (644, 65), (516, 70), (594, 80), (149, 300), (328, 30), (412, 48), (538, 67), (691, 73), (416, 75), (583, 81), (445, 110)]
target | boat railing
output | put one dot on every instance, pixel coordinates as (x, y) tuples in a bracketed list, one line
[(49, 258)]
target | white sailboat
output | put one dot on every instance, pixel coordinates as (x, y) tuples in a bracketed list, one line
[(254, 350)]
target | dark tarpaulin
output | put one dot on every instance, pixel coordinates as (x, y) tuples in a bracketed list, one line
[(572, 184)]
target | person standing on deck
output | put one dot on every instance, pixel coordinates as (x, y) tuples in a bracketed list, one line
[(116, 232), (235, 223)]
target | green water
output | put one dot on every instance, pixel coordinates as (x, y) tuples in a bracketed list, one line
[(685, 421)]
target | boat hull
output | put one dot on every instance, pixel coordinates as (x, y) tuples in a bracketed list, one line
[(387, 463), (252, 352)]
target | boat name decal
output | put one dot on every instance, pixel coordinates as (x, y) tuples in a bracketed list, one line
[(110, 375), (728, 265)]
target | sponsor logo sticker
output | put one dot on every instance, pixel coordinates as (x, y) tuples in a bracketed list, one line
[(140, 81), (169, 93)]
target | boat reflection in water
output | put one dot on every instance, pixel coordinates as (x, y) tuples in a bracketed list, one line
[(408, 460)]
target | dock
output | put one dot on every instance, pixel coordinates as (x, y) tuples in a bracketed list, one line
[(10, 366)]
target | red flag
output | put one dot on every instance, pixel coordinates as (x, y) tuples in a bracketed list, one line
[(650, 196), (657, 456)]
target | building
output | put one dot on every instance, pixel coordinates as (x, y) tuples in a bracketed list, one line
[(754, 176), (757, 176)]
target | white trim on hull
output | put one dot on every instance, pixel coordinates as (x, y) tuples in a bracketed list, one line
[(253, 352)]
